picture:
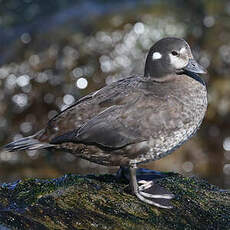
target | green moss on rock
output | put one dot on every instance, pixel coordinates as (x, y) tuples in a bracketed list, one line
[(100, 202)]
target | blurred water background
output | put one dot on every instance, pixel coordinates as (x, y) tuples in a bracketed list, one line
[(53, 52)]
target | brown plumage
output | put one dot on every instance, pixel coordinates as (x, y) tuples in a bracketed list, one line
[(133, 120)]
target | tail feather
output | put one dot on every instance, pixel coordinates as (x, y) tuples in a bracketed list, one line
[(30, 143)]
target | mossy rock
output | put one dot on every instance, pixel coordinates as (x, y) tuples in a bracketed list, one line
[(100, 202)]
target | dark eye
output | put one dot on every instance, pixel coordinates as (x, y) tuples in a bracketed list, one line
[(175, 53)]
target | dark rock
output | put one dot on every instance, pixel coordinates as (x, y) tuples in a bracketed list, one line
[(99, 202)]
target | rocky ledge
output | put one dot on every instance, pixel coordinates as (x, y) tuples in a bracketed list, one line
[(100, 202)]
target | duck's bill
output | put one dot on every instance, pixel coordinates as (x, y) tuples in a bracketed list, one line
[(194, 67)]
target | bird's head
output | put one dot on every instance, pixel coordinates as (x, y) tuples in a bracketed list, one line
[(171, 56)]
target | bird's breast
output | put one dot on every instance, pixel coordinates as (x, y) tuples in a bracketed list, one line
[(175, 122)]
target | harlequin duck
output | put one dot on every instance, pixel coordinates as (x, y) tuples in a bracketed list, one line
[(134, 120)]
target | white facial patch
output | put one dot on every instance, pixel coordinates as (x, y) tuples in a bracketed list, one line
[(177, 61), (183, 50), (156, 55)]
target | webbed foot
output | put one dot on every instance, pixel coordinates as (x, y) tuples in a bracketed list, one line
[(149, 192)]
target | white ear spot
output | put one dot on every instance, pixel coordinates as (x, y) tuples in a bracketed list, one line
[(156, 55)]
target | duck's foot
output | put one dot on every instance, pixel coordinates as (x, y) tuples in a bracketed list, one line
[(149, 174), (149, 192), (141, 174)]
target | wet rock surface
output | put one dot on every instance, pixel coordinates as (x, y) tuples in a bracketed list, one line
[(101, 202)]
